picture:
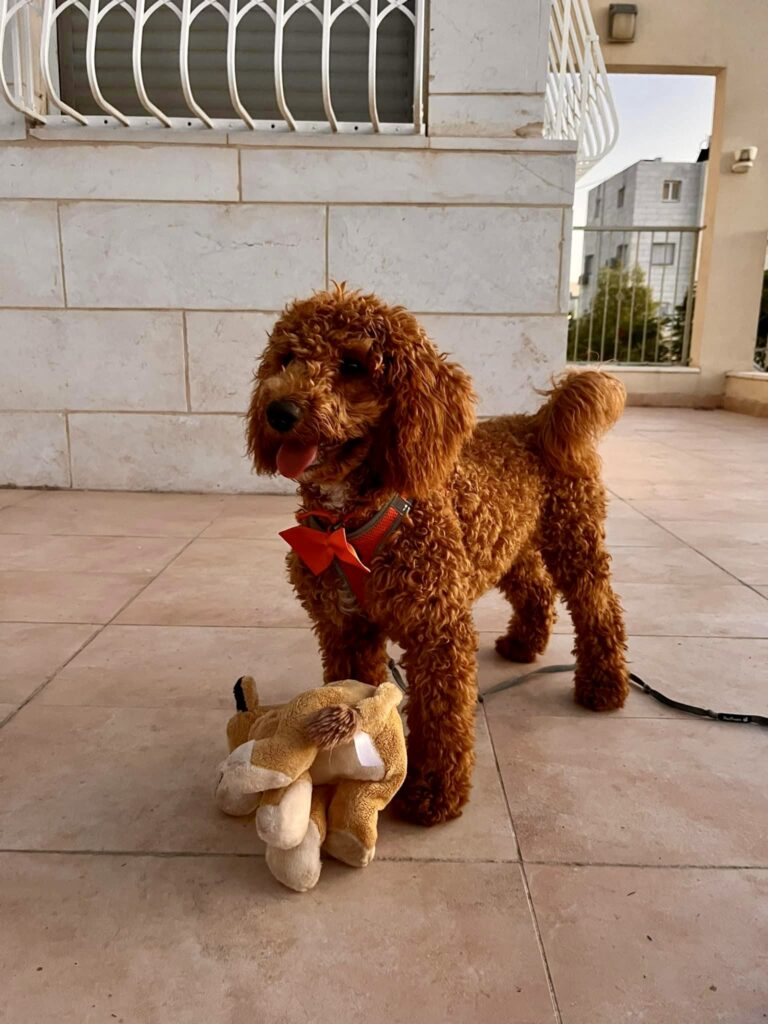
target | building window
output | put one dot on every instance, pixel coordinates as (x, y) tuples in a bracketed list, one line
[(620, 197), (670, 192), (663, 254), (588, 264), (621, 255), (298, 66), (598, 204)]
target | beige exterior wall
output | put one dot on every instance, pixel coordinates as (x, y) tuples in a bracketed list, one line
[(727, 40), (139, 277)]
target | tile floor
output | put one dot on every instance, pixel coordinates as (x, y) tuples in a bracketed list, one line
[(607, 869)]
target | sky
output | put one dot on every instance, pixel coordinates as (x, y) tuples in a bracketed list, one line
[(659, 115)]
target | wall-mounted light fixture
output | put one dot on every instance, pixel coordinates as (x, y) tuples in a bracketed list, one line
[(744, 159), (622, 21)]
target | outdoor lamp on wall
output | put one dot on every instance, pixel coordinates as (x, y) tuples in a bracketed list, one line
[(744, 159), (622, 20)]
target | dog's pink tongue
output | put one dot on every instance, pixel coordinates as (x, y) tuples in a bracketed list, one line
[(293, 457)]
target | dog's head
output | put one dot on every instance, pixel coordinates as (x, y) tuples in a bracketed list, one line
[(348, 385)]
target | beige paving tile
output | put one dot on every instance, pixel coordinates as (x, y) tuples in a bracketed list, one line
[(711, 672), (185, 667), (748, 563), (483, 832), (746, 509), (674, 610), (204, 598), (114, 513), (492, 613), (32, 652), (664, 565), (629, 532), (606, 789), (723, 533), (12, 495), (6, 710), (65, 596), (87, 554), (254, 517), (261, 559), (218, 940), (633, 944), (115, 779)]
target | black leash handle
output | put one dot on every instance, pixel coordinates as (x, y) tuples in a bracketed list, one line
[(692, 709), (662, 698)]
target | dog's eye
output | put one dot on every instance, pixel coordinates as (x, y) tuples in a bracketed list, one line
[(287, 359), (351, 367)]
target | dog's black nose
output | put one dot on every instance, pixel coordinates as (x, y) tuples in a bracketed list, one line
[(283, 415)]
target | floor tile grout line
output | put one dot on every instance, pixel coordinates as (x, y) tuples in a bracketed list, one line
[(650, 519), (524, 876), (99, 631), (382, 859)]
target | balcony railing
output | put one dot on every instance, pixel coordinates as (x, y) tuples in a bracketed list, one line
[(635, 295), (277, 65), (578, 100)]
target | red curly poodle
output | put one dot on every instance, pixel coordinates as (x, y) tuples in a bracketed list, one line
[(352, 400)]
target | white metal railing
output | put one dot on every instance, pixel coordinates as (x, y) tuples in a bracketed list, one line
[(578, 100), (29, 62)]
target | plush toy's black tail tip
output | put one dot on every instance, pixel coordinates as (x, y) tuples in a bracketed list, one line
[(240, 696)]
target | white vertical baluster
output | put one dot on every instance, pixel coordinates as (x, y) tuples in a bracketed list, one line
[(49, 21), (279, 87), (326, 66), (418, 67), (234, 95), (136, 63), (94, 17), (373, 35), (186, 86)]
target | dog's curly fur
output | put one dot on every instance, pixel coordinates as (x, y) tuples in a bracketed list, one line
[(514, 502)]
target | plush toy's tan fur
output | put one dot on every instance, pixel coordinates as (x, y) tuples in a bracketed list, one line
[(317, 771), (514, 502)]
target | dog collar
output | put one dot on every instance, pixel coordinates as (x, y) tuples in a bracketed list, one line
[(322, 540)]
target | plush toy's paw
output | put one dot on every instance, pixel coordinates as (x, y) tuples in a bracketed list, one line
[(299, 868), (346, 847), (241, 783), (425, 801), (284, 824)]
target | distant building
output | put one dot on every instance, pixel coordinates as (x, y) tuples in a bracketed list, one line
[(649, 194)]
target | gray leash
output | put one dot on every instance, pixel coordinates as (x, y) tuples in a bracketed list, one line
[(544, 670)]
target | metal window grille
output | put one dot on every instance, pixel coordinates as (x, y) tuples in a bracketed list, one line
[(276, 65), (578, 100), (630, 306)]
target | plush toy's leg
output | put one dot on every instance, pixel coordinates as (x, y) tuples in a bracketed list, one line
[(353, 819), (299, 868), (283, 814), (256, 766)]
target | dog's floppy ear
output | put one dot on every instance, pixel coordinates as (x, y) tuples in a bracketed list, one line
[(431, 411)]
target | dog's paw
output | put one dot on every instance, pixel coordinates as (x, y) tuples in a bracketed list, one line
[(424, 800), (512, 648), (605, 693)]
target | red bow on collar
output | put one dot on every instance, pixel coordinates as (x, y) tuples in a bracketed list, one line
[(318, 549)]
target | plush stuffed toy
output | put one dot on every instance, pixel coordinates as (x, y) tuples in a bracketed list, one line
[(317, 771)]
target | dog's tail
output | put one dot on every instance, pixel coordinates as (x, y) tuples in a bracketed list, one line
[(581, 407)]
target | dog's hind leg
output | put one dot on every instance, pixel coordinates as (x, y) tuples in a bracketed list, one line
[(575, 554), (529, 589)]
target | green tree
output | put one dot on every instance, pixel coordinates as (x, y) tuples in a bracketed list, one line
[(622, 322)]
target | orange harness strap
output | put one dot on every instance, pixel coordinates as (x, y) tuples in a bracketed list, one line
[(325, 542)]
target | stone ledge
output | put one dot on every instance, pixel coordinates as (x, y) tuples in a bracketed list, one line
[(746, 391)]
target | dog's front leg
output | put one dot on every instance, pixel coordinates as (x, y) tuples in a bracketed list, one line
[(441, 668)]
